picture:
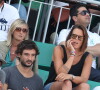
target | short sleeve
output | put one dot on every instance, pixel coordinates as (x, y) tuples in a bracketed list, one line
[(6, 70), (62, 36), (93, 39), (2, 76)]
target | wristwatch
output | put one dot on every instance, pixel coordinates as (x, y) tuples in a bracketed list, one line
[(73, 76)]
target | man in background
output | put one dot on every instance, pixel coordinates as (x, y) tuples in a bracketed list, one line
[(8, 14)]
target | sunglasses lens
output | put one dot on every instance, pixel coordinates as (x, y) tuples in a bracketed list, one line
[(80, 38), (84, 12), (24, 30), (74, 36), (18, 29)]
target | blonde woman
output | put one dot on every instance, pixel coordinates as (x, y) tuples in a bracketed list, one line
[(18, 32)]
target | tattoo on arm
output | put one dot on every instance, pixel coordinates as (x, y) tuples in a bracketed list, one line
[(66, 68)]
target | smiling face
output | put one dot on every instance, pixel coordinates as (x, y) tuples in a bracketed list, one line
[(77, 37), (20, 32)]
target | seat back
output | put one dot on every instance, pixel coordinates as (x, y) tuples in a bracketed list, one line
[(45, 56), (44, 59)]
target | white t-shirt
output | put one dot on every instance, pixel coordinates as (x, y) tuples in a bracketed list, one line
[(8, 14)]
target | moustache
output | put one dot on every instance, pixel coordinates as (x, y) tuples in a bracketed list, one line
[(29, 61)]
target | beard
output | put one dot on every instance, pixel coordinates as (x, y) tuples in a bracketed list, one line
[(25, 65)]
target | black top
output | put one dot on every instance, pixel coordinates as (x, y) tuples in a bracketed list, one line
[(75, 69)]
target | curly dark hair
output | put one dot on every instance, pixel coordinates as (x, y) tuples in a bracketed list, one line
[(26, 45)]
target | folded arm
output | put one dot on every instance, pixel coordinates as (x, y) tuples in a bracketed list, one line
[(94, 50)]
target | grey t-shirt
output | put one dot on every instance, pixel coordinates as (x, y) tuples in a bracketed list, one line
[(16, 81), (2, 76)]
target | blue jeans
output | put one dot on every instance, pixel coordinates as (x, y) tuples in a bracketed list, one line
[(48, 86), (94, 75), (22, 11)]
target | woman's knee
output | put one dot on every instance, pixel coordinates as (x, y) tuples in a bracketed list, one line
[(68, 82), (85, 86)]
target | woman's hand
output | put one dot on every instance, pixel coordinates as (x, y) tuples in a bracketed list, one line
[(63, 77), (70, 46)]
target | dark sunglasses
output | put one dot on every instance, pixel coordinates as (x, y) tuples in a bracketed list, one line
[(19, 29), (74, 36), (84, 12)]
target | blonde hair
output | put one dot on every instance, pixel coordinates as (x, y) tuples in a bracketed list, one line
[(16, 23)]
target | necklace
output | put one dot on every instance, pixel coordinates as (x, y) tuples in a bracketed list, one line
[(78, 55)]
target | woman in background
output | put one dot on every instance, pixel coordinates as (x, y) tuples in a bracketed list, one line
[(17, 33)]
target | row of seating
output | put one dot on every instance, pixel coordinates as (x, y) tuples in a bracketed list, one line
[(44, 61)]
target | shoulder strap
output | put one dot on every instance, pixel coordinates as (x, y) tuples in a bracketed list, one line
[(64, 52), (85, 55), (83, 58)]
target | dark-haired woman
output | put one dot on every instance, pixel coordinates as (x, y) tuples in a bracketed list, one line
[(71, 65)]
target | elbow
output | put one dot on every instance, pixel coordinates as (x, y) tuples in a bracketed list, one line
[(84, 80)]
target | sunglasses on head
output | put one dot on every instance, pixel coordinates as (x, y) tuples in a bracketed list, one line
[(84, 12), (19, 29), (74, 36)]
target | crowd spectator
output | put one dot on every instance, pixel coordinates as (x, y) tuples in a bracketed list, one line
[(22, 9), (8, 14), (21, 77), (17, 33), (71, 65)]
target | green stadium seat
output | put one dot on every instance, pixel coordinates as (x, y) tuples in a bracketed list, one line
[(44, 59), (45, 56), (93, 84)]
